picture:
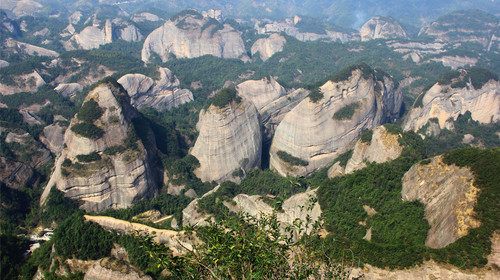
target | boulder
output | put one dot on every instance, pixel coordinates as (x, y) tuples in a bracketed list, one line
[(267, 47)]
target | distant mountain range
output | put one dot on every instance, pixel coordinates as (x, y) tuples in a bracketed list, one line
[(347, 13)]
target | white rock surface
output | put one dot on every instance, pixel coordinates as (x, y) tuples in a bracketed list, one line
[(310, 132), (267, 47), (261, 92), (189, 37), (68, 90), (230, 139), (382, 28)]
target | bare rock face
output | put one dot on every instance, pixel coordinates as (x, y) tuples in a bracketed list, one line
[(162, 94), (230, 139), (449, 196), (144, 16), (15, 175), (317, 132), (68, 90), (261, 92), (93, 36), (267, 47), (53, 137), (192, 216), (119, 170), (445, 103), (192, 35), (23, 83), (110, 269), (382, 28), (383, 147)]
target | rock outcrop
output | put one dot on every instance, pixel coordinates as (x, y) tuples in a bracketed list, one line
[(108, 269), (68, 90), (382, 147), (317, 132), (103, 162), (53, 137), (162, 94), (446, 102), (97, 34), (23, 83), (15, 175), (449, 196), (382, 28), (267, 47), (230, 139), (12, 46), (261, 92), (192, 35)]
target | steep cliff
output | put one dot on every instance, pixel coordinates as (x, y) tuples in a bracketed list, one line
[(314, 133), (381, 147), (382, 28), (230, 139), (267, 47), (161, 94), (474, 90), (103, 163), (192, 35), (261, 92), (449, 196)]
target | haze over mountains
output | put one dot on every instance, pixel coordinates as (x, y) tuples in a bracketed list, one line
[(369, 127)]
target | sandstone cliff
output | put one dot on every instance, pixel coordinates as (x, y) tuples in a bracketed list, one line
[(261, 92), (317, 132), (162, 94), (99, 33), (382, 147), (23, 83), (230, 139), (449, 196), (446, 102), (267, 47), (110, 269), (104, 164), (191, 36), (382, 28)]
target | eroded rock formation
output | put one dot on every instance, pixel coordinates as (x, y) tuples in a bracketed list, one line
[(267, 47), (449, 196), (317, 132), (382, 28), (107, 169)]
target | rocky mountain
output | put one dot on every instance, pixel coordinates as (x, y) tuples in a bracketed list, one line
[(327, 123), (162, 94), (449, 196), (191, 35), (475, 90), (103, 163), (380, 146), (267, 47), (261, 92), (100, 33), (229, 140), (464, 26), (382, 28)]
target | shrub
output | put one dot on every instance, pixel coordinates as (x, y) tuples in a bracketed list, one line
[(286, 157), (87, 130), (447, 77), (347, 112), (343, 158), (94, 156), (225, 96), (315, 95), (366, 136), (67, 162), (114, 150), (346, 73), (90, 111), (480, 76)]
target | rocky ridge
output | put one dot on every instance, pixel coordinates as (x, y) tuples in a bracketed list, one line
[(267, 47), (110, 169), (445, 102), (313, 133), (382, 28), (192, 35), (162, 94)]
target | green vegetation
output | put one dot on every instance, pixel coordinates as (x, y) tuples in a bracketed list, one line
[(343, 158), (346, 72), (315, 95), (225, 96), (480, 76), (87, 130), (311, 25), (292, 160), (94, 156), (113, 150), (90, 111), (366, 136), (189, 12), (346, 112), (447, 77), (57, 208)]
